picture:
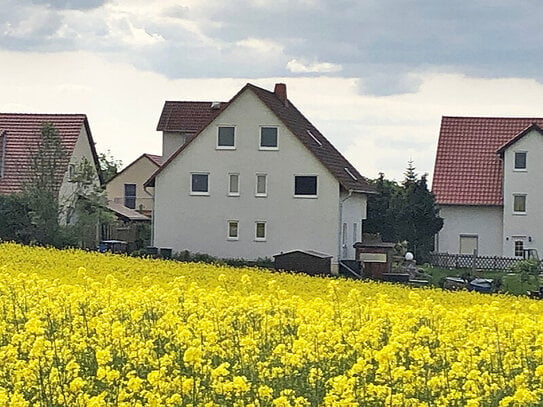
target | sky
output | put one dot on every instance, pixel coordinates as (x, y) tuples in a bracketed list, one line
[(375, 76)]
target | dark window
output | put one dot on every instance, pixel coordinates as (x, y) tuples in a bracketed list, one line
[(199, 183), (268, 137), (305, 185), (226, 137), (519, 248), (130, 196), (520, 161)]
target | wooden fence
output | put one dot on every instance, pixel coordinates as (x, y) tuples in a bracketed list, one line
[(447, 260)]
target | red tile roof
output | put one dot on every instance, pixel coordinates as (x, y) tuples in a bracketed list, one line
[(468, 169), (172, 120), (157, 159), (188, 117), (22, 134)]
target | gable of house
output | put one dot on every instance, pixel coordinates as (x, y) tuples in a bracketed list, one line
[(21, 135), (126, 187), (202, 114), (468, 169)]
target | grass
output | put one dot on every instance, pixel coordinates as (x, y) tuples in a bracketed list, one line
[(511, 283)]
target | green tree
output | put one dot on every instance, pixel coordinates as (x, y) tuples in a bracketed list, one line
[(15, 220), (109, 165), (381, 216), (41, 190), (405, 212)]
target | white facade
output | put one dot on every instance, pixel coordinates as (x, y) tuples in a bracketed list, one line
[(461, 222), (200, 222), (82, 151), (523, 226), (518, 224)]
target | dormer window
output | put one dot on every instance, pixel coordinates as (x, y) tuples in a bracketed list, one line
[(268, 138), (520, 160), (226, 138)]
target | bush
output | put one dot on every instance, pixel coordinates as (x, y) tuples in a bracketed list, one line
[(530, 267)]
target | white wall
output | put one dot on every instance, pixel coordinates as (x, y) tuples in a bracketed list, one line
[(199, 223), (82, 149), (482, 221), (528, 226), (353, 212), (171, 141)]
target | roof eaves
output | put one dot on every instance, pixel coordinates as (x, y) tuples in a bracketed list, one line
[(530, 128)]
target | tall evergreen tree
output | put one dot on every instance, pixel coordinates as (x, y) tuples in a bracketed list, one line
[(381, 216), (405, 212)]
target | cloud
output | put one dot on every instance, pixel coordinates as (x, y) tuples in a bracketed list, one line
[(384, 43), (297, 66), (71, 4)]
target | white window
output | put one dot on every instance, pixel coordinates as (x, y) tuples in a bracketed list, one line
[(268, 138), (233, 184), (226, 138), (199, 183), (519, 248), (468, 243), (519, 204), (261, 185), (305, 186), (520, 160), (233, 230), (260, 231)]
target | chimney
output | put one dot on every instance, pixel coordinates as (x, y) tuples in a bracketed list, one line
[(281, 92)]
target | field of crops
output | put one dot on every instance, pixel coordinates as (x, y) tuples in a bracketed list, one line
[(85, 329)]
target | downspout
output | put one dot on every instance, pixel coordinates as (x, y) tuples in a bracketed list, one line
[(152, 243), (340, 229)]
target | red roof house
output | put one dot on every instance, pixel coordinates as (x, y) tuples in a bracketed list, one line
[(473, 178)]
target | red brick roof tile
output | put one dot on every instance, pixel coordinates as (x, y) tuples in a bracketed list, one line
[(22, 135), (188, 117), (468, 169)]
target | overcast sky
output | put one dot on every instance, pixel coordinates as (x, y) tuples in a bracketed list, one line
[(374, 76)]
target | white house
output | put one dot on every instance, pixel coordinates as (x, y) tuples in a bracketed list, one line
[(252, 178), (20, 135), (487, 181)]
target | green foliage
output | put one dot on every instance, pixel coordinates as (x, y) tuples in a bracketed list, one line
[(405, 212), (527, 270), (109, 165), (41, 191), (40, 215), (15, 220)]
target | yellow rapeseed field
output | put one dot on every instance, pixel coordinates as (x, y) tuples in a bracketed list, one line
[(86, 329)]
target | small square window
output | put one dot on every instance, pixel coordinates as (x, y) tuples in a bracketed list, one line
[(260, 231), (226, 137), (305, 185), (261, 185), (520, 160), (519, 203), (199, 184), (233, 184), (268, 138), (233, 230)]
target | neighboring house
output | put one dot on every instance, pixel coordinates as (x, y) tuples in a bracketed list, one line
[(487, 181), (20, 135), (126, 187), (253, 178), (129, 226)]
